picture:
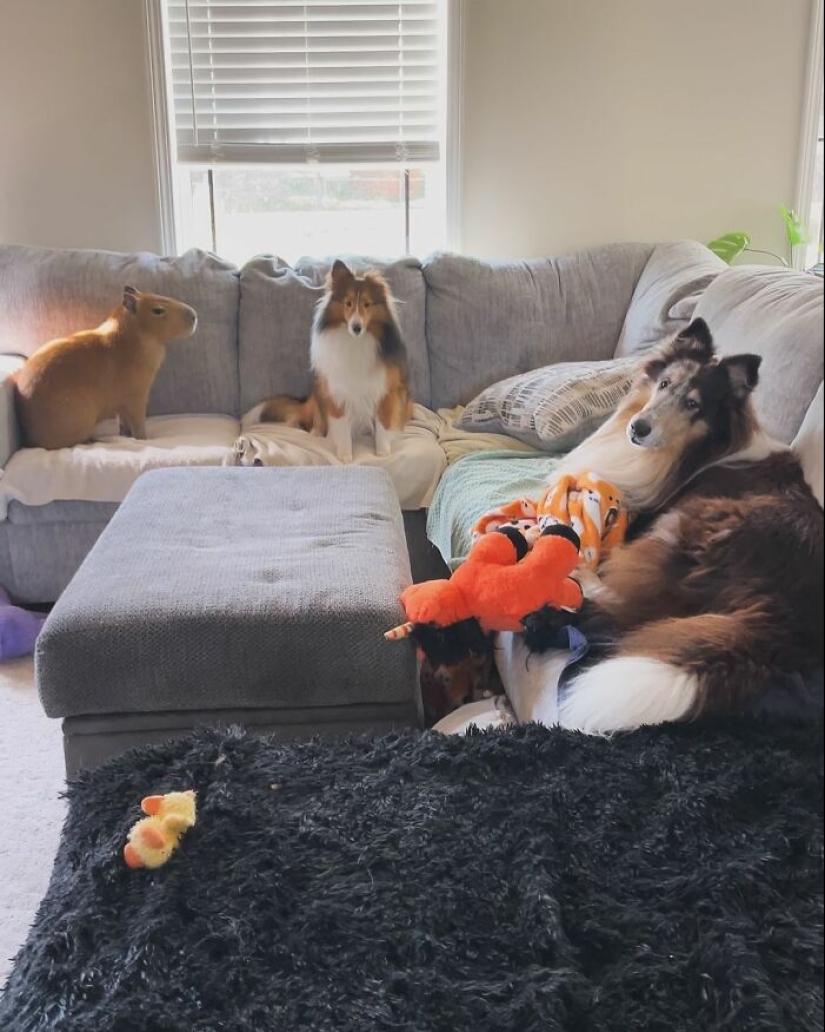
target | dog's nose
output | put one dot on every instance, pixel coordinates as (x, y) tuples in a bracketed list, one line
[(641, 428), (356, 328)]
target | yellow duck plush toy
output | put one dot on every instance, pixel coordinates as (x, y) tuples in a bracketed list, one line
[(153, 840)]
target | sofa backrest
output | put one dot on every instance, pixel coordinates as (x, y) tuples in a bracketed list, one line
[(776, 313), (277, 303), (46, 294), (674, 278), (467, 323), (487, 320)]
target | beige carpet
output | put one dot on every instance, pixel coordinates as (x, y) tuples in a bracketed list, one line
[(31, 780)]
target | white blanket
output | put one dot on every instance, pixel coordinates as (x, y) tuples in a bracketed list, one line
[(415, 463), (104, 470)]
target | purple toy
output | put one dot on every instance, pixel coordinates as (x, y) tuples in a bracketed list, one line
[(18, 628)]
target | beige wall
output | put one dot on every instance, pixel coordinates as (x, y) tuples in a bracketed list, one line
[(76, 152), (584, 121), (595, 120)]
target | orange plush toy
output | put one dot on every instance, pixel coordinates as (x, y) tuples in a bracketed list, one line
[(501, 582), (497, 587)]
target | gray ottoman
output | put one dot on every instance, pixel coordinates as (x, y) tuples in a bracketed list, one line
[(250, 596)]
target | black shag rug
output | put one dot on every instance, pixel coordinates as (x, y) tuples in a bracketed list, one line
[(528, 880)]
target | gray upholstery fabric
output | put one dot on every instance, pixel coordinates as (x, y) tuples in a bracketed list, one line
[(9, 428), (778, 314), (809, 445), (46, 294), (667, 293), (490, 320), (90, 741), (277, 307), (234, 588), (60, 512), (38, 558)]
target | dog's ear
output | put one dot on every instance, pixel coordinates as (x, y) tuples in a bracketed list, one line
[(340, 273), (694, 342), (655, 365), (743, 373), (130, 299)]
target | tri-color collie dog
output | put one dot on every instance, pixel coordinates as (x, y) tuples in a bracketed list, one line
[(359, 365), (721, 598)]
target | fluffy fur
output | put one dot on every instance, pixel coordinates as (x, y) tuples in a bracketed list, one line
[(529, 879), (722, 596), (70, 385), (359, 365)]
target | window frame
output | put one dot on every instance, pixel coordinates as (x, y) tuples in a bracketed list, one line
[(812, 106), (166, 179)]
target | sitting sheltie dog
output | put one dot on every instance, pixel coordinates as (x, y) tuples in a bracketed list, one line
[(720, 599), (359, 365)]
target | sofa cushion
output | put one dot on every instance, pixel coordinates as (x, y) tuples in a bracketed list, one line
[(46, 294), (233, 589), (553, 408), (778, 314), (276, 311), (104, 470), (667, 293), (809, 444), (487, 320), (415, 463)]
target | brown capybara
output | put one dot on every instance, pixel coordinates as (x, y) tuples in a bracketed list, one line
[(70, 385)]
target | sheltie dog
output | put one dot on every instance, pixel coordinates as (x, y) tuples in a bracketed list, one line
[(720, 599), (359, 365)]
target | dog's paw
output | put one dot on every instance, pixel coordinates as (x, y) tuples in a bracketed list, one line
[(345, 457), (235, 455), (245, 453)]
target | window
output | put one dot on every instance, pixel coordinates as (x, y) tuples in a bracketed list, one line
[(307, 128), (810, 185), (813, 254)]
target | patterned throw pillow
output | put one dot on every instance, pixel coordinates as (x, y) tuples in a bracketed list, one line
[(553, 408)]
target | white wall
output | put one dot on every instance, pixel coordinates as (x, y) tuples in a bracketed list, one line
[(584, 121), (76, 151), (595, 120)]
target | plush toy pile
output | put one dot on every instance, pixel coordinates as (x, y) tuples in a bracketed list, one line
[(588, 504), (518, 577)]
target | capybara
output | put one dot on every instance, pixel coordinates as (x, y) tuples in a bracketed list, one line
[(73, 383)]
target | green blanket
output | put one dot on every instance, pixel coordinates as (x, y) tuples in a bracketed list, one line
[(474, 485)]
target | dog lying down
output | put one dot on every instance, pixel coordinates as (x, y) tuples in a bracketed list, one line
[(715, 604), (721, 598)]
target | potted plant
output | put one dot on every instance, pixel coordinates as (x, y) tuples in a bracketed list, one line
[(731, 245)]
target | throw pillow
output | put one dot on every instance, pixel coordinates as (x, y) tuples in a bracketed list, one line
[(553, 408)]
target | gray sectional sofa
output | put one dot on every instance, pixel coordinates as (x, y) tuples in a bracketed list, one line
[(467, 323)]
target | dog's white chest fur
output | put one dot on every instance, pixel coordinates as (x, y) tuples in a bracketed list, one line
[(355, 375)]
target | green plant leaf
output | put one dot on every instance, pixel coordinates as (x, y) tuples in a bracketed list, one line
[(797, 231), (730, 245)]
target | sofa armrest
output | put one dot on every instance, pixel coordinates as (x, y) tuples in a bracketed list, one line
[(9, 429)]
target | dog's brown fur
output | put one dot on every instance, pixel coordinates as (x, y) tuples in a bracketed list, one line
[(369, 298), (70, 385), (726, 583)]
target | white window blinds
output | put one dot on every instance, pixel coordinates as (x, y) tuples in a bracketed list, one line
[(285, 81)]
